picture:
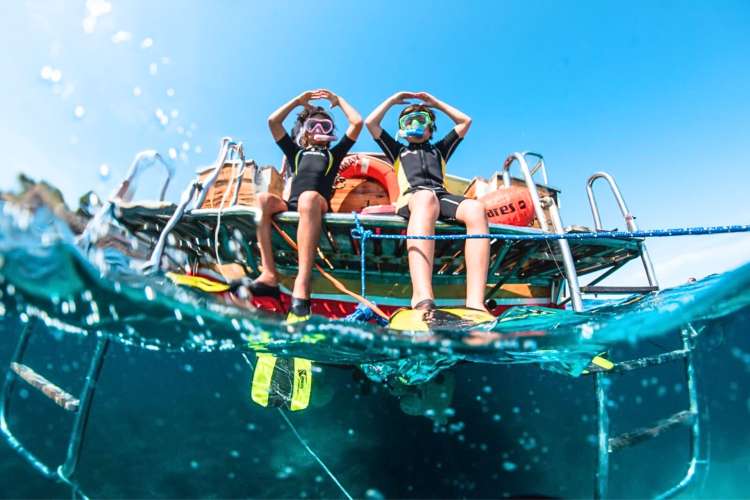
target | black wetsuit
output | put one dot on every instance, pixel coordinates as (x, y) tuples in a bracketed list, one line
[(422, 166), (314, 168)]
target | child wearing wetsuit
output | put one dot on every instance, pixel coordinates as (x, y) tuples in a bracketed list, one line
[(314, 166), (420, 168)]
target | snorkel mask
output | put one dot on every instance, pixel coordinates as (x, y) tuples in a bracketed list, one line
[(321, 129), (414, 124)]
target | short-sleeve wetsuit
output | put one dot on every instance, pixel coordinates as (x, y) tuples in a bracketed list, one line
[(314, 168), (422, 166)]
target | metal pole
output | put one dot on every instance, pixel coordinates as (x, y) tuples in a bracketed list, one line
[(570, 267), (696, 462), (601, 485), (66, 470)]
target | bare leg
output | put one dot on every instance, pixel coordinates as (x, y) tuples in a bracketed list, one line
[(269, 205), (477, 252), (424, 210), (311, 207)]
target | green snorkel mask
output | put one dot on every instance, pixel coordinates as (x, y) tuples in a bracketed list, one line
[(414, 124)]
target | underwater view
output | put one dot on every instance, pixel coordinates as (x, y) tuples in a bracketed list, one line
[(236, 261)]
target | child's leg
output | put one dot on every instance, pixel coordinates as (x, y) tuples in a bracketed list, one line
[(311, 207), (424, 210), (477, 251), (269, 205)]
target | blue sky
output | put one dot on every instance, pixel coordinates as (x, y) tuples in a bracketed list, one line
[(653, 92)]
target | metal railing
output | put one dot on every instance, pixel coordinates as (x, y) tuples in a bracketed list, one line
[(571, 275), (629, 219)]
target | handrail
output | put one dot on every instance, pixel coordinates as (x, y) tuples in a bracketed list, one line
[(570, 269), (227, 145), (629, 218), (142, 160), (530, 184)]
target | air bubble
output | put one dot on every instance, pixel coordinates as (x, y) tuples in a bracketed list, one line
[(153, 69), (172, 153), (170, 92), (104, 171), (147, 43), (137, 91), (509, 466), (79, 111), (121, 37)]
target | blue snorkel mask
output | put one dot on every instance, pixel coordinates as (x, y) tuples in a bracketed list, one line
[(414, 124)]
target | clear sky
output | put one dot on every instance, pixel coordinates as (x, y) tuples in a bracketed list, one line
[(656, 93)]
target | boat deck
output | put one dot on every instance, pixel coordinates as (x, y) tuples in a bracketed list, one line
[(516, 267)]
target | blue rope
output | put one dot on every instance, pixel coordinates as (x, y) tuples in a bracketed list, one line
[(360, 233)]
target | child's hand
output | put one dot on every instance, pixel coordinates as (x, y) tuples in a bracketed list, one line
[(426, 98), (305, 97), (328, 95), (401, 97)]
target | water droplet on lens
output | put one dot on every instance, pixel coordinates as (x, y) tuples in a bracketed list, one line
[(121, 37), (46, 73)]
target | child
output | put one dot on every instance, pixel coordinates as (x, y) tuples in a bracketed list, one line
[(420, 168), (314, 165)]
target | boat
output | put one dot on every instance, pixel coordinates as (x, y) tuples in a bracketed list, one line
[(211, 234)]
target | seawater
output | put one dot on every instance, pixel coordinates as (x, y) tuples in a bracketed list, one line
[(501, 412)]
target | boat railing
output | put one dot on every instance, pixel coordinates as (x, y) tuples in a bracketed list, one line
[(196, 193), (626, 214), (571, 275), (142, 161)]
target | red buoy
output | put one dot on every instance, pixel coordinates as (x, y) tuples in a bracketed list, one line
[(509, 205)]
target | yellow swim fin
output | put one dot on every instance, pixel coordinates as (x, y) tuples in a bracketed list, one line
[(199, 282), (283, 382)]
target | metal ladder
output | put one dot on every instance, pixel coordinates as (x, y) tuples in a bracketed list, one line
[(690, 417), (648, 267), (571, 274), (80, 407)]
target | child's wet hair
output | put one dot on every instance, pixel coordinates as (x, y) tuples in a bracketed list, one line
[(297, 131)]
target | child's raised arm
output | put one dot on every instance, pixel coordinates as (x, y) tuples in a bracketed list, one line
[(373, 121), (276, 120), (352, 115), (462, 120)]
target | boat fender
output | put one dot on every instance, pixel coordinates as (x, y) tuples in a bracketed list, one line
[(509, 205)]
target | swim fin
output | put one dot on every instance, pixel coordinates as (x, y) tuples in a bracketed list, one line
[(283, 382), (445, 318), (199, 282)]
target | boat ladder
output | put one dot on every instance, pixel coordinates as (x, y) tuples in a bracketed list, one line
[(79, 406), (630, 224), (691, 417)]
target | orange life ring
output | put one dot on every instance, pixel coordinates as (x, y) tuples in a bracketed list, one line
[(509, 205), (359, 166)]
